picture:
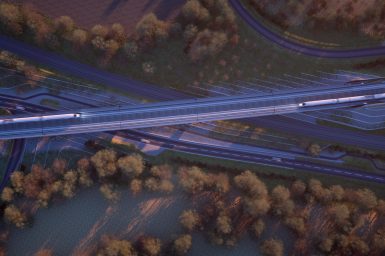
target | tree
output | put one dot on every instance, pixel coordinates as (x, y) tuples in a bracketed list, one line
[(79, 37), (280, 194), (131, 165), (161, 171), (36, 24), (165, 186), (220, 182), (223, 224), (256, 207), (114, 247), (190, 32), (105, 162), (206, 44), (83, 164), (109, 192), (11, 19), (59, 165), (151, 31), (366, 199), (17, 181), (314, 149), (297, 224), (64, 25), (258, 227), (7, 194), (13, 215), (326, 244), (189, 219), (194, 12), (118, 33), (151, 246), (338, 192), (182, 244), (250, 184), (272, 247), (381, 207), (136, 186), (298, 188), (339, 213), (193, 179), (99, 31)]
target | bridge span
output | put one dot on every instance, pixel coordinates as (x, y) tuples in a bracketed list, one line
[(186, 111)]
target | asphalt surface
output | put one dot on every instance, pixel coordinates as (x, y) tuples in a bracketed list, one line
[(297, 46)]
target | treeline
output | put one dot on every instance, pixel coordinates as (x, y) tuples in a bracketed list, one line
[(351, 15), (206, 26)]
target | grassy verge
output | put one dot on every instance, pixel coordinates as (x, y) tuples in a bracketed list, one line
[(50, 103)]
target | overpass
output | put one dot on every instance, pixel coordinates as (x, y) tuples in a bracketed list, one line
[(185, 111)]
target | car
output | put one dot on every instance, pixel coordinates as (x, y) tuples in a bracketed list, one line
[(277, 159), (18, 107)]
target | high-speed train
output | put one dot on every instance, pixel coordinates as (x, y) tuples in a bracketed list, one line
[(39, 118), (342, 100)]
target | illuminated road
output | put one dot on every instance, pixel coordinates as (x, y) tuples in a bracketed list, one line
[(175, 112)]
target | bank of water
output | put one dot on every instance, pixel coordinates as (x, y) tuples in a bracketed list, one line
[(71, 226)]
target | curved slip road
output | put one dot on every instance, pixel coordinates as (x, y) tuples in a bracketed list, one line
[(297, 46)]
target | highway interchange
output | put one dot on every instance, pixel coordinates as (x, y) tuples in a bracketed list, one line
[(72, 68)]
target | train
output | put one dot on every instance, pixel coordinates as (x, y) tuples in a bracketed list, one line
[(342, 100), (39, 118)]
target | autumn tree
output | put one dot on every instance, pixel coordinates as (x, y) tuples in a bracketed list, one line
[(13, 215), (161, 171), (104, 162), (193, 179), (36, 24), (118, 33), (298, 188), (79, 37), (131, 165), (151, 246), (64, 25), (151, 31), (250, 184), (182, 244), (281, 202), (314, 149), (83, 169), (297, 224), (258, 227), (220, 182), (189, 219), (194, 12), (17, 181), (59, 166), (109, 192), (11, 19), (272, 247), (70, 179), (366, 199), (223, 224), (339, 213), (136, 186), (256, 207), (99, 30), (206, 44), (114, 247), (190, 32), (7, 194)]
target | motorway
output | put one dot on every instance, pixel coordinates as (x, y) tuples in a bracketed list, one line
[(297, 46), (174, 112), (234, 154)]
